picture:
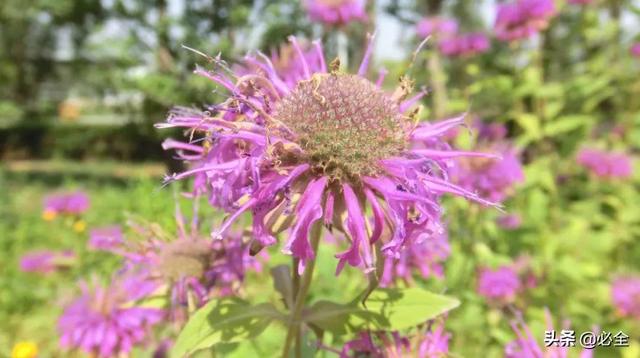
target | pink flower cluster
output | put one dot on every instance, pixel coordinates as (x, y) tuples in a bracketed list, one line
[(526, 344), (436, 26), (46, 262), (450, 42), (106, 238), (625, 293), (430, 344), (523, 18), (491, 178), (424, 256), (464, 44), (72, 203), (336, 12), (103, 323), (635, 50), (499, 285), (605, 164)]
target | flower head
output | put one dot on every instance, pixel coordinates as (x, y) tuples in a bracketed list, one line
[(45, 261), (523, 18), (188, 265), (72, 203), (323, 150), (625, 293), (436, 26), (464, 45), (606, 165), (635, 50), (430, 343), (526, 345), (336, 12), (492, 178), (425, 257), (103, 323), (107, 238), (501, 284), (509, 221)]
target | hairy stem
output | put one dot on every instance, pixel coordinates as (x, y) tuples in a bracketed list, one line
[(294, 329)]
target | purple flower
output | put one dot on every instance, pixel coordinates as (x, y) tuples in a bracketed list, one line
[(425, 256), (625, 293), (336, 12), (108, 238), (523, 18), (491, 178), (436, 26), (45, 261), (499, 285), (73, 203), (432, 343), (509, 221), (635, 50), (297, 155), (103, 323), (526, 345), (606, 165), (464, 45), (189, 265)]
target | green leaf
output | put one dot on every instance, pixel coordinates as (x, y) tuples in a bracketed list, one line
[(226, 320), (566, 124), (387, 309), (340, 318), (404, 308)]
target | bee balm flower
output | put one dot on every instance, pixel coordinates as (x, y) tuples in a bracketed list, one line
[(102, 321), (326, 149), (523, 18), (500, 285), (605, 164), (46, 262), (72, 203), (336, 12), (436, 26), (625, 292)]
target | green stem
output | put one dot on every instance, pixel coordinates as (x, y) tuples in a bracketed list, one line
[(294, 330)]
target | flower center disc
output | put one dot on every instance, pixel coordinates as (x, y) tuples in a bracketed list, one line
[(184, 258), (344, 123)]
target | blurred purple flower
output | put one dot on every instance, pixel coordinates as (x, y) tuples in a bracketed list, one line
[(108, 238), (500, 285), (464, 45), (605, 164), (336, 12), (73, 203), (45, 261), (425, 256), (526, 345), (509, 221), (436, 26), (491, 178), (635, 49), (523, 18), (432, 343), (625, 293), (189, 265), (102, 322), (315, 150)]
